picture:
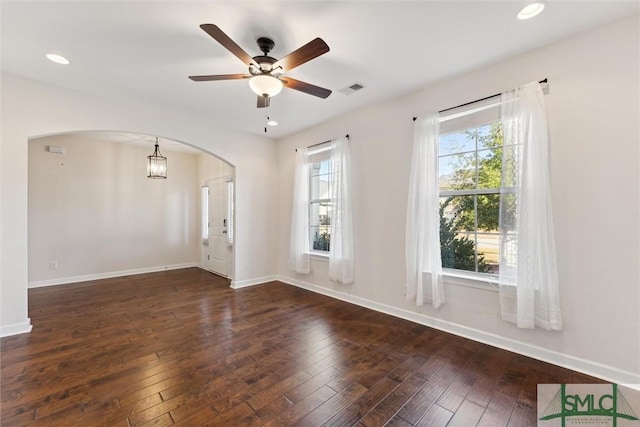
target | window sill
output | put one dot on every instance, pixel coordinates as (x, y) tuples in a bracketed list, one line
[(487, 283), (320, 256)]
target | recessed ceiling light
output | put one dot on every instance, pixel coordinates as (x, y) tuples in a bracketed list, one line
[(530, 10), (58, 59), (272, 123)]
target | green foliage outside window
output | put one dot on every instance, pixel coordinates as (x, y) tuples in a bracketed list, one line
[(458, 251)]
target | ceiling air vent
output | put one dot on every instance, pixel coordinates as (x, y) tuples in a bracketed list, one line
[(352, 89)]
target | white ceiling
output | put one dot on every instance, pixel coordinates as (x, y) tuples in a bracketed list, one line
[(143, 51)]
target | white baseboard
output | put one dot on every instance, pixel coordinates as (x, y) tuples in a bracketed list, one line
[(237, 284), (608, 373), (16, 328), (108, 275)]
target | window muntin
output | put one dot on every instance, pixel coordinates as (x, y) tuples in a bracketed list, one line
[(320, 178), (470, 177)]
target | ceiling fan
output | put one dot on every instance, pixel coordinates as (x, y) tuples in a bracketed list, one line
[(266, 74)]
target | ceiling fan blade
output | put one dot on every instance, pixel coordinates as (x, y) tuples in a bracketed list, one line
[(313, 49), (318, 91), (219, 77), (229, 44), (263, 101)]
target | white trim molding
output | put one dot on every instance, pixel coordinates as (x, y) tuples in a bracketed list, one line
[(237, 284), (108, 275), (16, 328), (608, 373)]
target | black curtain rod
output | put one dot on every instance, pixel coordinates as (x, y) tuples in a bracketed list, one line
[(477, 100), (324, 142)]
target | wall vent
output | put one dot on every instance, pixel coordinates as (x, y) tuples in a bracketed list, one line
[(351, 88)]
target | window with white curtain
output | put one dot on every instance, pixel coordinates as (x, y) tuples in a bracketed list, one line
[(322, 214), (320, 199), (470, 189), (487, 210)]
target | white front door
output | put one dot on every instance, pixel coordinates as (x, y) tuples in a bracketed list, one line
[(217, 250)]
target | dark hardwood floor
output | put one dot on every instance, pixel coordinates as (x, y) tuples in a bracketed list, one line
[(181, 347)]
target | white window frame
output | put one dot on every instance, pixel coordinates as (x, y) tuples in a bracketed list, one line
[(471, 116), (317, 154)]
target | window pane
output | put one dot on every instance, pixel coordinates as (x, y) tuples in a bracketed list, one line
[(490, 168), (320, 238), (320, 213), (488, 212), (460, 241), (488, 246), (457, 249), (324, 167), (320, 180), (457, 171), (455, 143), (490, 136), (320, 218), (488, 238)]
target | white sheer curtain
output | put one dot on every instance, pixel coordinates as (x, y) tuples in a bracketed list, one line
[(299, 237), (422, 251), (528, 277), (341, 227)]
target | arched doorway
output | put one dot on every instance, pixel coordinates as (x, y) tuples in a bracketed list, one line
[(93, 213)]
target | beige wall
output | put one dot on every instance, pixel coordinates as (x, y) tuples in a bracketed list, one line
[(593, 108), (94, 212)]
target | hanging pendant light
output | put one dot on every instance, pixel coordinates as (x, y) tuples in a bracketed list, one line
[(157, 166)]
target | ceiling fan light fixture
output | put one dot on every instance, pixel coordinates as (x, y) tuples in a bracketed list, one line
[(265, 85), (531, 10)]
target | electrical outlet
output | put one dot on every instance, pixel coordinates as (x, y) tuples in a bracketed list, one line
[(53, 265)]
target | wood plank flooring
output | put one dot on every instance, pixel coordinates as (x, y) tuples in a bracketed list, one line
[(182, 348)]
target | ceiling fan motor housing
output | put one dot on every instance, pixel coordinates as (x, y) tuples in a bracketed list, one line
[(265, 61), (265, 44)]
